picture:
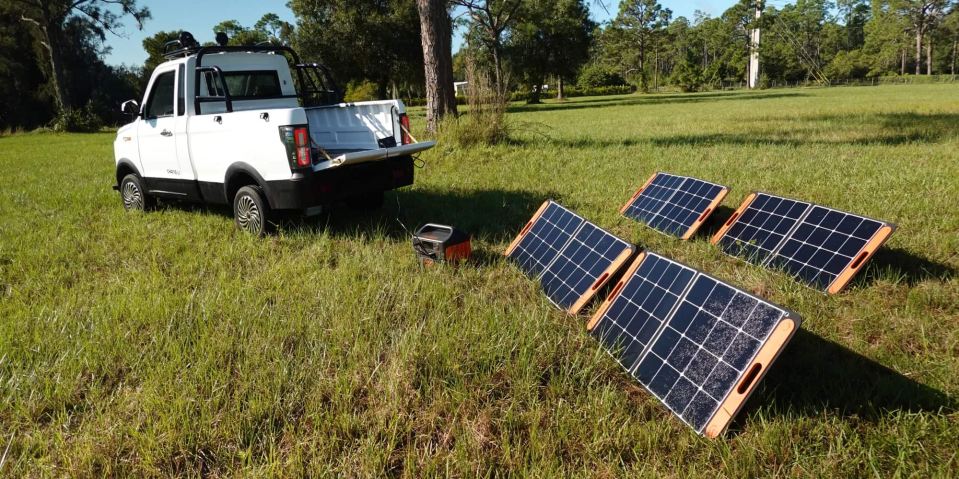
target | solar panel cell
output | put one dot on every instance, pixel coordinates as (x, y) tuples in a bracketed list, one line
[(675, 205), (570, 256), (760, 229), (820, 246), (546, 236), (702, 347), (824, 244)]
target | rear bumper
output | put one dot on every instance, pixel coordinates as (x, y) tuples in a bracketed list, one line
[(327, 186)]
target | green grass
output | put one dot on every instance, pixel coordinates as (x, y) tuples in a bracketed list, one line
[(168, 343)]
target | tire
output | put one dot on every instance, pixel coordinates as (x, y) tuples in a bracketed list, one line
[(251, 213), (367, 202), (134, 195)]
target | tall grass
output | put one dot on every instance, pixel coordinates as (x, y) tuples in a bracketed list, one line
[(484, 122)]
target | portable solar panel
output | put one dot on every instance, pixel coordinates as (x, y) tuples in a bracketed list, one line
[(571, 257), (820, 246), (675, 205), (699, 345)]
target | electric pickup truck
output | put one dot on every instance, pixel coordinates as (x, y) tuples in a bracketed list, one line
[(254, 127)]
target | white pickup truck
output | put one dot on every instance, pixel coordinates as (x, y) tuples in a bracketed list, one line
[(228, 124)]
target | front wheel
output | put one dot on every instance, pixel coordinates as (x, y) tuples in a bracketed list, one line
[(134, 196), (250, 211)]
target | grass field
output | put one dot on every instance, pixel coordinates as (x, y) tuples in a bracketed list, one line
[(168, 343)]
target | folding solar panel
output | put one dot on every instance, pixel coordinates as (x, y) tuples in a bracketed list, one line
[(699, 345), (571, 257), (820, 246), (675, 205)]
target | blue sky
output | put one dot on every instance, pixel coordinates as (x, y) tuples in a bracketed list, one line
[(199, 17)]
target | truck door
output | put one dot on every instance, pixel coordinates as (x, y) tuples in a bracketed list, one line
[(156, 131)]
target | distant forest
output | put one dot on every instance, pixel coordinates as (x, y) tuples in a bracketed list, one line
[(52, 72)]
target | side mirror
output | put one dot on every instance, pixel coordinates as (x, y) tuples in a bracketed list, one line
[(130, 107)]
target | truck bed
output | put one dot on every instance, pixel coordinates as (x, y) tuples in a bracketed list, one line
[(359, 132)]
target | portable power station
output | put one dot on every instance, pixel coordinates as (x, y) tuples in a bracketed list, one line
[(441, 244)]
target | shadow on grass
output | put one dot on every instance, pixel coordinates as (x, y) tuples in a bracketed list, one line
[(715, 222), (909, 268), (816, 377), (654, 99), (489, 215), (885, 129)]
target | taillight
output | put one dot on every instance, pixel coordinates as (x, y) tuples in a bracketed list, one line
[(301, 137), (296, 139), (405, 123)]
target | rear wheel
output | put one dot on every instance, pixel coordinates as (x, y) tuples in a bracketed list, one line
[(134, 196), (250, 211)]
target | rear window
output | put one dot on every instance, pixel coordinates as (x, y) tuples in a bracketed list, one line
[(249, 85)]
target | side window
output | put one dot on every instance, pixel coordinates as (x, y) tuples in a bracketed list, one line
[(160, 102), (181, 92)]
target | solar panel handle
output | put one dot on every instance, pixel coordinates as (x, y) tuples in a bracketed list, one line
[(859, 260), (732, 218), (749, 378), (600, 280)]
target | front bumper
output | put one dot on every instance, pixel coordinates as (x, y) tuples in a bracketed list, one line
[(317, 188)]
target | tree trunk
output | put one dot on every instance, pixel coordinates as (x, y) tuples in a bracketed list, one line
[(918, 51), (902, 64), (955, 49), (497, 71), (559, 88), (929, 56), (436, 38), (50, 36)]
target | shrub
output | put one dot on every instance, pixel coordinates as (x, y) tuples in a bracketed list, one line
[(361, 91), (593, 76), (78, 120)]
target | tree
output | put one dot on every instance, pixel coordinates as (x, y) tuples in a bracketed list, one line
[(923, 16), (550, 39), (375, 40), (153, 45), (49, 19), (490, 20), (436, 39), (643, 21)]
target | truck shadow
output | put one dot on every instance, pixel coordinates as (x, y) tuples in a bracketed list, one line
[(491, 216), (815, 377)]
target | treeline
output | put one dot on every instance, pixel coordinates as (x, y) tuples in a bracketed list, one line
[(815, 41), (528, 43), (52, 72)]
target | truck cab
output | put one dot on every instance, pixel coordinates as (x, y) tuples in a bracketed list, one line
[(256, 128)]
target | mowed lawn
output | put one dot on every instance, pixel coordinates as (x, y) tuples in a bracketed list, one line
[(168, 343)]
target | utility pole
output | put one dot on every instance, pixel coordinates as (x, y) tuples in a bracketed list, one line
[(753, 70)]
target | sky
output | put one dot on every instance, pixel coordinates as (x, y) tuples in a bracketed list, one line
[(199, 17)]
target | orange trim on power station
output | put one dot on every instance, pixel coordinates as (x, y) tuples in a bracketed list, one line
[(637, 193), (754, 373), (709, 210), (616, 290), (857, 263), (603, 278), (732, 219), (526, 228)]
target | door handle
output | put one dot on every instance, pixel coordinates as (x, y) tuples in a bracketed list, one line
[(166, 133), (218, 119)]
